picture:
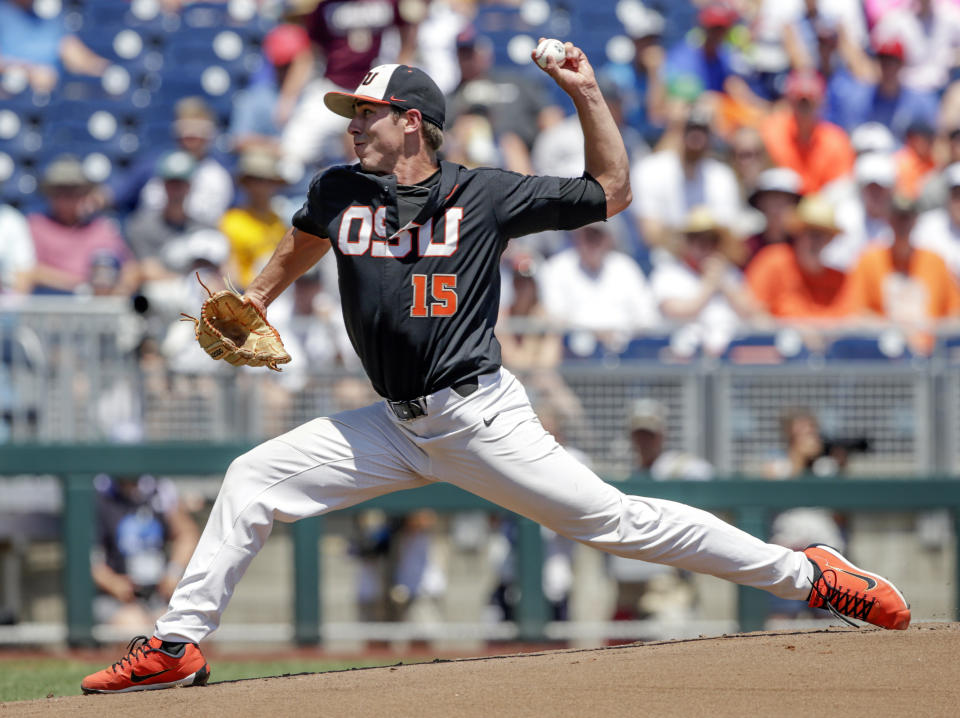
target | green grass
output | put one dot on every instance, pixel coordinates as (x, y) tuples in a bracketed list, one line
[(41, 677)]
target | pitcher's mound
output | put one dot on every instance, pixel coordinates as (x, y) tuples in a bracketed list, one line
[(867, 672)]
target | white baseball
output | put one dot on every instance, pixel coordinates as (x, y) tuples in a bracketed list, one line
[(550, 48)]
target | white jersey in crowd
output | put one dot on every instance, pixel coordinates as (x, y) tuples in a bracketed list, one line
[(617, 298), (16, 246), (717, 321), (662, 192), (211, 192), (935, 231), (859, 231), (929, 44)]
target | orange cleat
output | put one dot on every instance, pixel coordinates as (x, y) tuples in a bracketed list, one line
[(147, 666), (846, 590)]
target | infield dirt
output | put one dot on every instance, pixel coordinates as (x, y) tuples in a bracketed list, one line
[(837, 672)]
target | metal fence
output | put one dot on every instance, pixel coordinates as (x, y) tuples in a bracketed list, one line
[(76, 371)]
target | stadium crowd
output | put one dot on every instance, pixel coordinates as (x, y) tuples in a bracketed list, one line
[(791, 161)]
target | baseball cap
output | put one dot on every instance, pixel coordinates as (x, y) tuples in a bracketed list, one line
[(816, 212), (891, 47), (65, 171), (804, 84), (176, 165), (259, 164), (285, 42), (648, 415), (875, 168), (872, 137), (717, 14), (776, 179), (404, 87)]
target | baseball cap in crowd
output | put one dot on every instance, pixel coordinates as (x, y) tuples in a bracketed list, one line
[(805, 84), (875, 168), (648, 415), (717, 14), (951, 175), (285, 42), (260, 164), (194, 118), (891, 47), (776, 179), (176, 165), (402, 86), (816, 212), (640, 21), (700, 117), (872, 137), (65, 171)]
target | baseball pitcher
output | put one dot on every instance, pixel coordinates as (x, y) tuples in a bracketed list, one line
[(417, 243)]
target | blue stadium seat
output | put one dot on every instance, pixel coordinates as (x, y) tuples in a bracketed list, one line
[(648, 348), (582, 346), (765, 348), (858, 348)]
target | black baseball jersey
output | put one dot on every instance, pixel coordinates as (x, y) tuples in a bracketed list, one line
[(420, 301)]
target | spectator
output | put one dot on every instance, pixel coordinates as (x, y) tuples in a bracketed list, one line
[(790, 279), (259, 111), (347, 37), (748, 159), (839, 80), (709, 61), (908, 285), (528, 348), (211, 189), (800, 139), (702, 285), (642, 80), (775, 196), (149, 231), (647, 590), (870, 137), (17, 256), (915, 160), (254, 229), (67, 238), (517, 108), (888, 101), (939, 229), (648, 427), (930, 34), (773, 16), (38, 43), (145, 538), (864, 218), (669, 183), (592, 286), (934, 192), (808, 454)]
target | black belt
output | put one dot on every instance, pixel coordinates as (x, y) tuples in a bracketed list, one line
[(408, 409)]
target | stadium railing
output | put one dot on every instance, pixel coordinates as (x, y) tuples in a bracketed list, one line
[(749, 502)]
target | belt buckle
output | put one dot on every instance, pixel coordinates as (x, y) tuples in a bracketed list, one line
[(408, 410)]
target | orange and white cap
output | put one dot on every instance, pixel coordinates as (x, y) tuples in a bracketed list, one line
[(402, 86)]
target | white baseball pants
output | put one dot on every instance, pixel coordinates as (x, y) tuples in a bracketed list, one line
[(489, 443)]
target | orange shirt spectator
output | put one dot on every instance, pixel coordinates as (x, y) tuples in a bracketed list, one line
[(790, 280), (923, 288), (800, 139), (903, 282)]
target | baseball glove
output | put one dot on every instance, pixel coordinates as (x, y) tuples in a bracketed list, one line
[(235, 330)]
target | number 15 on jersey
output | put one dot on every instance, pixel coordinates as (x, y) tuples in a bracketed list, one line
[(443, 293)]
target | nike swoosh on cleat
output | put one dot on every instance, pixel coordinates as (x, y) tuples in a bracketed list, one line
[(871, 582), (139, 679), (487, 422)]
